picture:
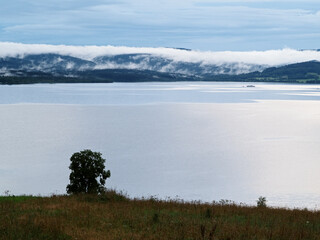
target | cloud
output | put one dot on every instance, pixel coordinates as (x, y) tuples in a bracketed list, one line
[(270, 57), (205, 24)]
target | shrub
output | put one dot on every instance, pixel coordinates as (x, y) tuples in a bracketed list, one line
[(262, 202)]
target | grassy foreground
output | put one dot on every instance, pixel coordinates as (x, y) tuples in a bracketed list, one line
[(113, 216)]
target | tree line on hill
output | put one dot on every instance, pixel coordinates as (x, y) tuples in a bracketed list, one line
[(306, 72)]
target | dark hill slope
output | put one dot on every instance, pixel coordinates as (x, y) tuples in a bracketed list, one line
[(53, 68), (306, 72)]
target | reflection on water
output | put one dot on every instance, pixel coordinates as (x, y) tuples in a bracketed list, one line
[(167, 139), (148, 93)]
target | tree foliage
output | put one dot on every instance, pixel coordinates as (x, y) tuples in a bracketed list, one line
[(262, 202), (88, 173)]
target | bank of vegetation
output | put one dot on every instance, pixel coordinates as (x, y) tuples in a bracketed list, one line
[(113, 215)]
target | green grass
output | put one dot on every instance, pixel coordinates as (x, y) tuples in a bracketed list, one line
[(16, 198), (115, 216)]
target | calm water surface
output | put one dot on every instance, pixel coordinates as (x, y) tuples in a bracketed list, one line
[(206, 141)]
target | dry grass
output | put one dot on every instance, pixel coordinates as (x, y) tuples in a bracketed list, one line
[(113, 216)]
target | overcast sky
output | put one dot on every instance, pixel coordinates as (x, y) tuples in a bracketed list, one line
[(197, 24)]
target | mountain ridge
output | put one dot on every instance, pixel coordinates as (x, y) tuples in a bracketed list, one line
[(141, 67)]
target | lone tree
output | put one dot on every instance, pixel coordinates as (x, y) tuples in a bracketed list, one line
[(88, 173)]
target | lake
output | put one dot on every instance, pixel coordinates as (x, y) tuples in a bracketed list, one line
[(189, 140)]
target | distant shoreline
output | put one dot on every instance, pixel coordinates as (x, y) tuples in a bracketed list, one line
[(305, 72), (65, 80)]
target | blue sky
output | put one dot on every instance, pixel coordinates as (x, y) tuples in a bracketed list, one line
[(197, 24)]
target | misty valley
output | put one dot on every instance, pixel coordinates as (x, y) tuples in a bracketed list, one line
[(92, 64)]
